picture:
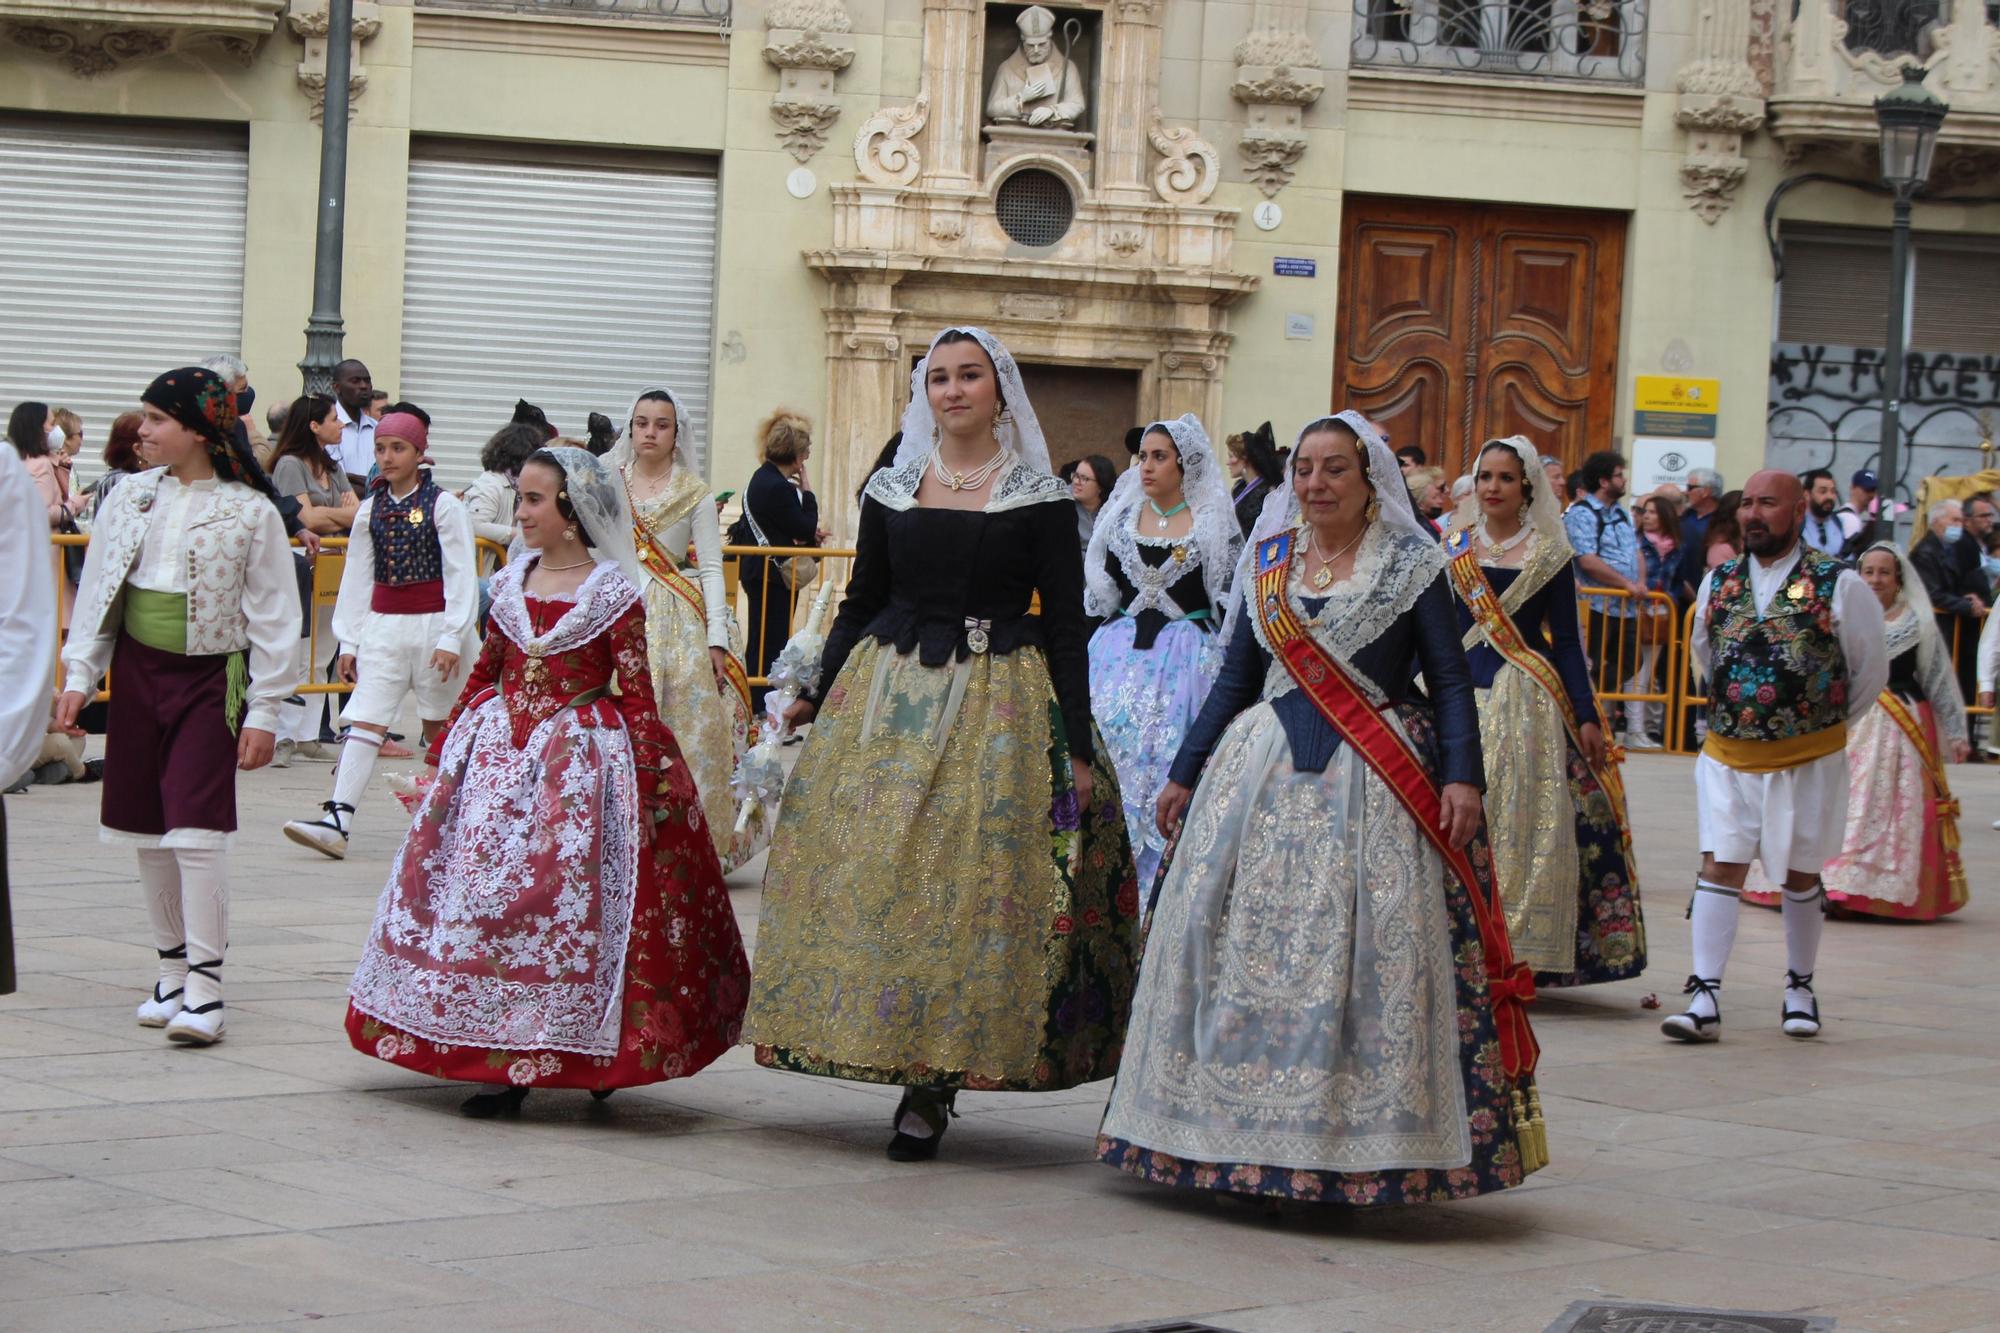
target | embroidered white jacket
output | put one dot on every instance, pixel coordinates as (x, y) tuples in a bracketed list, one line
[(223, 545)]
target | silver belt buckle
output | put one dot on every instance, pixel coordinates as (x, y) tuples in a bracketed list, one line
[(976, 637)]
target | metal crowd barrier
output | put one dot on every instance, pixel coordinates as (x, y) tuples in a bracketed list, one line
[(1616, 646)]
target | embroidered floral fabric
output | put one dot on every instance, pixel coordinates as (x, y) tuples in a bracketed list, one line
[(937, 910), (1408, 1069), (557, 896)]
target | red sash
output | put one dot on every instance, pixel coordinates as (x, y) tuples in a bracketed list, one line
[(1323, 679)]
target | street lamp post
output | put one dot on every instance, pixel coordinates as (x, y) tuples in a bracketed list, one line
[(324, 330), (1909, 118)]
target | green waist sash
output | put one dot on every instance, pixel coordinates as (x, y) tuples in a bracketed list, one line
[(159, 620)]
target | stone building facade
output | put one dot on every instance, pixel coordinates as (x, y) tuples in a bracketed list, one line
[(1468, 217)]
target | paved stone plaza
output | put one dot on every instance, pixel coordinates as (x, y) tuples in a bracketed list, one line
[(282, 1177)]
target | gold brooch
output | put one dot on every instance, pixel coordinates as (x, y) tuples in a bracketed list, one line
[(416, 518), (1797, 592)]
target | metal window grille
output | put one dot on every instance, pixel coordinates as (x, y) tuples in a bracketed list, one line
[(1599, 40), (1035, 207), (716, 12)]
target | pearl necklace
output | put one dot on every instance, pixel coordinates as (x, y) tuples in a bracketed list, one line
[(967, 481), (1162, 515), (577, 565)]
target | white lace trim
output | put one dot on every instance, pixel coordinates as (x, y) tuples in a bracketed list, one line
[(571, 787), (605, 595), (1018, 486), (1152, 581), (1391, 571)]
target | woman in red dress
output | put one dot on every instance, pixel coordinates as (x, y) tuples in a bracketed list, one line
[(556, 917)]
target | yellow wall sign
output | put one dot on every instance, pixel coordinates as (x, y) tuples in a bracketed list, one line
[(1675, 406)]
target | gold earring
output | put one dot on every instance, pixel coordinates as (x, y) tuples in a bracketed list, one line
[(1374, 510), (999, 415), (569, 534), (936, 435)]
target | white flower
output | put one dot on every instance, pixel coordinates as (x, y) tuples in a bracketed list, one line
[(388, 1048), (522, 1071), (551, 1063)]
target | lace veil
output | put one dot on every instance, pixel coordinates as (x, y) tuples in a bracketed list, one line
[(1917, 625), (1281, 510), (1018, 431), (597, 493), (1544, 510), (1215, 534), (621, 453)]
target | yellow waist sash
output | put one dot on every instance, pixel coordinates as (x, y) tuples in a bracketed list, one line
[(1771, 756)]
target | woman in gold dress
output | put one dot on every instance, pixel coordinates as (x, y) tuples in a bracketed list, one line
[(950, 901), (1562, 844), (702, 692)]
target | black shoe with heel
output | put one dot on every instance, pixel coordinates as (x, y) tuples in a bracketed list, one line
[(491, 1105), (934, 1107)]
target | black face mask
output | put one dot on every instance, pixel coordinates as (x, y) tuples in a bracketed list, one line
[(244, 400)]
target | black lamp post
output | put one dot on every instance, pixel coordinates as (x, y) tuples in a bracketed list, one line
[(1909, 117), (324, 330)]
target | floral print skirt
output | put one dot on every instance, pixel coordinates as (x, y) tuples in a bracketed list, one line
[(937, 910), (1143, 701), (1312, 1019)]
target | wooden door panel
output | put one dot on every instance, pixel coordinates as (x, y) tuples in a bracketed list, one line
[(1461, 322), (1413, 407), (1403, 288), (1543, 295)]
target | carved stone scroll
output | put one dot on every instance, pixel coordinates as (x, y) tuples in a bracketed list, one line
[(310, 23), (1721, 100), (883, 152), (1190, 168)]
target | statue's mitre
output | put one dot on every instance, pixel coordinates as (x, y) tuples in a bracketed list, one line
[(1036, 21)]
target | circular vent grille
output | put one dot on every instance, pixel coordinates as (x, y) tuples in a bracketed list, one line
[(1035, 207)]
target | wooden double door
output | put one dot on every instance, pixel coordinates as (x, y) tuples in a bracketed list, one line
[(1462, 322)]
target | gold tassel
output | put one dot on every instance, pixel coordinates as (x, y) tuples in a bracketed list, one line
[(1530, 1131), (1947, 816)]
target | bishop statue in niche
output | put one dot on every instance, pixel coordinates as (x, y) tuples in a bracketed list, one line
[(1037, 85)]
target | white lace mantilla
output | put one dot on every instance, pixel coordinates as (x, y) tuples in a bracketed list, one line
[(605, 595), (1391, 571), (1017, 487)]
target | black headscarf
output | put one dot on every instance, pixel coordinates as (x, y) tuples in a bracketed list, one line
[(200, 400)]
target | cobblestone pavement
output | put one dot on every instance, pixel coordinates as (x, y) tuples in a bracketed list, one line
[(282, 1177)]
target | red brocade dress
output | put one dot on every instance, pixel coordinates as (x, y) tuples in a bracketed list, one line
[(557, 916)]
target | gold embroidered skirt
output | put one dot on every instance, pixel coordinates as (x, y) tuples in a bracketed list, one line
[(1531, 819), (933, 913), (694, 709)]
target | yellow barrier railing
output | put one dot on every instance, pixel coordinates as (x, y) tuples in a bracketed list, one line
[(1634, 650), (765, 629)]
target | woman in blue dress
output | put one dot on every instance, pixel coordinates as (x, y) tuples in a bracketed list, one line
[(1157, 573)]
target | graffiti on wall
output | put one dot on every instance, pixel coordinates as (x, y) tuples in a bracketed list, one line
[(1825, 410)]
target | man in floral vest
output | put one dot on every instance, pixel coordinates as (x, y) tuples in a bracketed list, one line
[(1792, 645)]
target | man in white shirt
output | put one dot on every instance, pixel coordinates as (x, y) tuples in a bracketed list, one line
[(353, 387), (27, 653), (1792, 644)]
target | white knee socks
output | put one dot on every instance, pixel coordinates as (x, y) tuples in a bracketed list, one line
[(160, 886), (357, 764), (1713, 914), (1804, 924), (204, 881)]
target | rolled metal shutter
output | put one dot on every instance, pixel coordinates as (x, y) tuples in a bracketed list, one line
[(571, 285), (121, 255)]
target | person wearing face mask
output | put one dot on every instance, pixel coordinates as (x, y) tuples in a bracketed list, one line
[(38, 441), (249, 434), (1948, 565), (950, 901)]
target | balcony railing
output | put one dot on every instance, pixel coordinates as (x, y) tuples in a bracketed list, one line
[(1899, 27), (715, 12), (1596, 40)]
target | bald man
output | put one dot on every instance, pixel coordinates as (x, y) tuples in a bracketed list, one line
[(1792, 645)]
